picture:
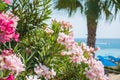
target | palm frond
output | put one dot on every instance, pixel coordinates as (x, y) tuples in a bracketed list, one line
[(70, 5), (111, 8)]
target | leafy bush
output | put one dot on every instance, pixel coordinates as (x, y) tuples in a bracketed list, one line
[(32, 14), (43, 52)]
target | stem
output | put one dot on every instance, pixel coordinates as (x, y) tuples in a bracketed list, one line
[(9, 45)]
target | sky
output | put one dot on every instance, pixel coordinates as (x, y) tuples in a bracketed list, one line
[(78, 21)]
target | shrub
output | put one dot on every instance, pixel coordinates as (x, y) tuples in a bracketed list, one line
[(43, 52)]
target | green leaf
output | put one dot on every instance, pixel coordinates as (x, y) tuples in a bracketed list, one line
[(3, 6)]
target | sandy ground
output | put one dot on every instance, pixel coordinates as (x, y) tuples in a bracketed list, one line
[(114, 76)]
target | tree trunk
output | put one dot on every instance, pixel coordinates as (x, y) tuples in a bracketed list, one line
[(91, 27)]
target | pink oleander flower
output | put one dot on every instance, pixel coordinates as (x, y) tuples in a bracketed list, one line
[(43, 71), (7, 1), (96, 71), (70, 43), (14, 63), (53, 73), (11, 62), (7, 52), (90, 74), (49, 31), (77, 51), (97, 48), (8, 23), (10, 77), (16, 37), (74, 51), (83, 46), (66, 40), (78, 59), (61, 38), (65, 25)]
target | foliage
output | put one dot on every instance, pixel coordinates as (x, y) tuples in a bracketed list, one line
[(116, 5), (90, 8), (41, 50), (32, 14), (3, 6), (43, 47), (72, 6)]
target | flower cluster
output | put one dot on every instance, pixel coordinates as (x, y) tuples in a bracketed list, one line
[(66, 40), (10, 77), (8, 23), (7, 1), (88, 49), (73, 49), (8, 60), (77, 55), (43, 71), (96, 71)]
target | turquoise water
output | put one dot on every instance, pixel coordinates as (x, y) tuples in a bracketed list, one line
[(107, 46)]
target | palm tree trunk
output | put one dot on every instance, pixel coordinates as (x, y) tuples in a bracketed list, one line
[(91, 27)]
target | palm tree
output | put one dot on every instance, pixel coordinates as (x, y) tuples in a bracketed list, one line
[(93, 10)]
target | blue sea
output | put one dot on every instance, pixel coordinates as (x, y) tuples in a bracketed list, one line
[(107, 46)]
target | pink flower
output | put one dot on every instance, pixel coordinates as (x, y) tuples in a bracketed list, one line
[(96, 70), (43, 71), (97, 48), (8, 23), (75, 59), (53, 73), (65, 25), (91, 75), (11, 62), (7, 52), (10, 77), (66, 40), (49, 31), (61, 38), (4, 38), (16, 37), (78, 59), (7, 1), (63, 53)]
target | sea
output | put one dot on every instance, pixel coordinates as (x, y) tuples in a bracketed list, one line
[(107, 46)]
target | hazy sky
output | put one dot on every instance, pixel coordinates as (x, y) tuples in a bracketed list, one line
[(104, 30)]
